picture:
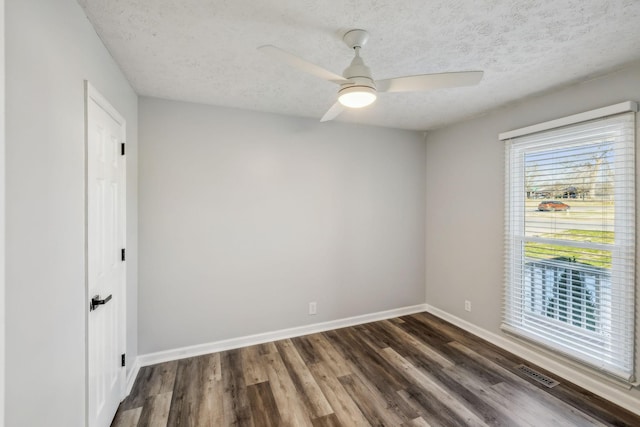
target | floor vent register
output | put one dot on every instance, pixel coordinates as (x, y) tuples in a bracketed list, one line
[(537, 376)]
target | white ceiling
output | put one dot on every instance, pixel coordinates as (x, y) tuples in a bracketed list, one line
[(204, 51)]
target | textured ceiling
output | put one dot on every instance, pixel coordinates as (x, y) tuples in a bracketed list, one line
[(205, 50)]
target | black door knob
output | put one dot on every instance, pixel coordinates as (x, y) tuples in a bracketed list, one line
[(96, 301)]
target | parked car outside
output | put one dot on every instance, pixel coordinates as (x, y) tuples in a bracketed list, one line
[(552, 205)]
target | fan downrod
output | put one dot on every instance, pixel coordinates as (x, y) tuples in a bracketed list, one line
[(355, 38)]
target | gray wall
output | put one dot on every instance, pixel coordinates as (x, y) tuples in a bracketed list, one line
[(50, 50), (2, 218), (247, 217), (465, 188)]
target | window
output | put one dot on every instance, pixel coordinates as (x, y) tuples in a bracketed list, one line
[(570, 237)]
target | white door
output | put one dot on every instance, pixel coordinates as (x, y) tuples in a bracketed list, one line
[(105, 260)]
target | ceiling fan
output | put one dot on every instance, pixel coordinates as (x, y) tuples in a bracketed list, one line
[(357, 87)]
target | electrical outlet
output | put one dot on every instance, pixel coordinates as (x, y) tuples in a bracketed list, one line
[(313, 308), (467, 305)]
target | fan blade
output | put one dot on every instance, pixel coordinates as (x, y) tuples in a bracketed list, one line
[(429, 81), (302, 64), (333, 112)]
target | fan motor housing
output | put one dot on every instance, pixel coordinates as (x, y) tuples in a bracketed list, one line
[(359, 81), (358, 69)]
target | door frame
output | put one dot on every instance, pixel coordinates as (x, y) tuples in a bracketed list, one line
[(92, 95)]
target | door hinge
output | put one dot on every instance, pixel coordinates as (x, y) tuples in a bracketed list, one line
[(123, 255), (122, 148), (123, 360)]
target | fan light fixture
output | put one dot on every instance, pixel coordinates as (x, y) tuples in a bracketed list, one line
[(357, 96), (357, 87)]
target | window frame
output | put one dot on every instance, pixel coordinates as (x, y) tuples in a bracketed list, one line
[(515, 238)]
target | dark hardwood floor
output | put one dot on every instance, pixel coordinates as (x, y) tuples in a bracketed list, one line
[(415, 370)]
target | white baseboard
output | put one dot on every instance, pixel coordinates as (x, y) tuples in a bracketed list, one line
[(131, 376), (612, 392), (200, 349)]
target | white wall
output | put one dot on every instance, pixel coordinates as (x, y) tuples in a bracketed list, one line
[(2, 217), (50, 50), (465, 187), (246, 217)]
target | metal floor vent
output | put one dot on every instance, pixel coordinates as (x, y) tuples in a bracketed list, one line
[(535, 375)]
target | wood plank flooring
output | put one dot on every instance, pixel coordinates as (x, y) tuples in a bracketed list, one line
[(415, 370)]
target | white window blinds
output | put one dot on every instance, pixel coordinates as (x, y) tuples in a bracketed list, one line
[(570, 241)]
